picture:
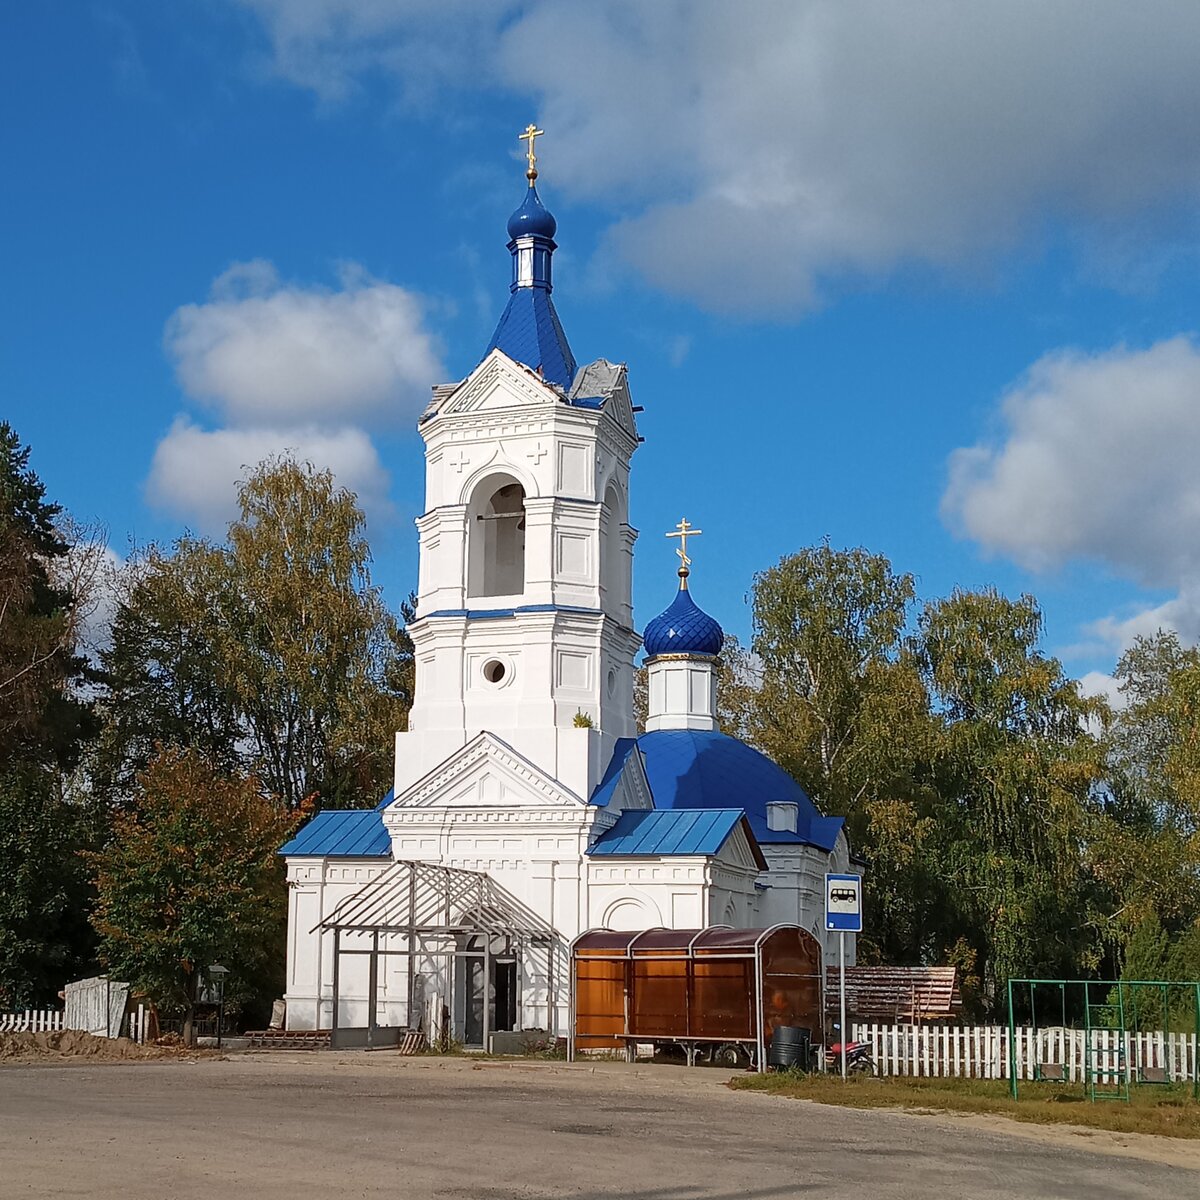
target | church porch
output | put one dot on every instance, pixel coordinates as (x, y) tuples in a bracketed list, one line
[(466, 959)]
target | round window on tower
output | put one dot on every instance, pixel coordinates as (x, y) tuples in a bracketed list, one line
[(495, 672), (612, 684)]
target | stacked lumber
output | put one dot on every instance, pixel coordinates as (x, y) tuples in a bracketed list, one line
[(896, 995), (290, 1039)]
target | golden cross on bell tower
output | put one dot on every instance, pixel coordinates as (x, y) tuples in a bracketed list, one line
[(531, 132), (683, 531)]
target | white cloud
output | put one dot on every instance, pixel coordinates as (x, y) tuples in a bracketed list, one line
[(287, 368), (1097, 683), (263, 352), (759, 151), (1180, 614), (1097, 460), (194, 472), (328, 45)]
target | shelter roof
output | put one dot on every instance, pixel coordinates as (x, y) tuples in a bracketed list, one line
[(715, 939)]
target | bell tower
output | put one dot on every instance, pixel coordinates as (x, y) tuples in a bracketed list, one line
[(524, 624)]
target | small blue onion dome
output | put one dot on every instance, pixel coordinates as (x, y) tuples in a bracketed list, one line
[(532, 218), (683, 629)]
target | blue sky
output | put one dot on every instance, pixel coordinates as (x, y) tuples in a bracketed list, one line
[(918, 278)]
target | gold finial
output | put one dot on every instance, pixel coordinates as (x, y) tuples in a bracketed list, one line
[(683, 531), (531, 132)]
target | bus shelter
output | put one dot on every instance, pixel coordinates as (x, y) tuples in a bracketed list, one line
[(718, 991)]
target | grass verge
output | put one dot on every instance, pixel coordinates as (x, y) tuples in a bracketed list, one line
[(1167, 1111)]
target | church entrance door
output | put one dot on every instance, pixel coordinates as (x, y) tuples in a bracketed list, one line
[(501, 994)]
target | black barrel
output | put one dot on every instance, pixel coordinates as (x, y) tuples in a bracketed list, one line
[(789, 1047)]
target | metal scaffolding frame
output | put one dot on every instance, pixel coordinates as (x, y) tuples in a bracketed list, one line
[(431, 909)]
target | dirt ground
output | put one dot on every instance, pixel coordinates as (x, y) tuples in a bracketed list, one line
[(71, 1044), (370, 1125)]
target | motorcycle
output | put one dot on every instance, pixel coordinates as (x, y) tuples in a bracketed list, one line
[(858, 1058)]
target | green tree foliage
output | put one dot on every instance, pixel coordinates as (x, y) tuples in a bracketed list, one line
[(959, 755), (827, 631), (45, 724), (41, 716), (274, 653), (45, 939), (1147, 845), (841, 705), (1017, 771), (191, 877)]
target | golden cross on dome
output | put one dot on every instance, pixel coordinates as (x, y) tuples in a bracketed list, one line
[(531, 132), (683, 531)]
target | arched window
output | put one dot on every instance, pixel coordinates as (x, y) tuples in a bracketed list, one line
[(496, 516), (612, 552)]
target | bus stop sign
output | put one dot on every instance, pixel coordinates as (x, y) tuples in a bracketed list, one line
[(843, 903)]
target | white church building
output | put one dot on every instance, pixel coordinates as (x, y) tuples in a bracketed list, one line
[(526, 806)]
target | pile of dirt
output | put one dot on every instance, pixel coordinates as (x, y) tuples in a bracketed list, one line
[(71, 1043)]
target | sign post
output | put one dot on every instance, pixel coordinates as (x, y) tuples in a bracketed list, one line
[(843, 912)]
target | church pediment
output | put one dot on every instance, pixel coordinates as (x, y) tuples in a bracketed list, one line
[(499, 383), (738, 850), (487, 773)]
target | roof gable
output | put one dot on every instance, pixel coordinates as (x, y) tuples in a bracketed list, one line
[(485, 773), (624, 787), (498, 382)]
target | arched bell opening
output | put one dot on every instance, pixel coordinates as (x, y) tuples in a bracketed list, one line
[(613, 559), (496, 533)]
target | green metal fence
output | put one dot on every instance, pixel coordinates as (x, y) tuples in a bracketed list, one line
[(1125, 1030)]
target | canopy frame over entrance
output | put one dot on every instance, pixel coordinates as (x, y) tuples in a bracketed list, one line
[(433, 912), (685, 985)]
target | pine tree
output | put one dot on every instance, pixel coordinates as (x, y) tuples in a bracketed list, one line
[(41, 716)]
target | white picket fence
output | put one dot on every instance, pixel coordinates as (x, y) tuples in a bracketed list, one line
[(43, 1020), (139, 1023), (52, 1020), (982, 1052)]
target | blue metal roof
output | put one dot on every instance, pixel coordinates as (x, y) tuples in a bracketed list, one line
[(531, 333), (693, 768), (669, 832), (612, 773), (684, 628), (343, 833)]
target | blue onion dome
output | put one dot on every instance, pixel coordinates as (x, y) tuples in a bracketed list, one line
[(532, 218), (683, 629)]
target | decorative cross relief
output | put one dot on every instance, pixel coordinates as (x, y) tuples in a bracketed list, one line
[(459, 462), (538, 454)]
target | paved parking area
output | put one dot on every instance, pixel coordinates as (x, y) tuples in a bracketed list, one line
[(368, 1125)]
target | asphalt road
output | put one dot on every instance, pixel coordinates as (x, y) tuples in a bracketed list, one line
[(325, 1125)]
